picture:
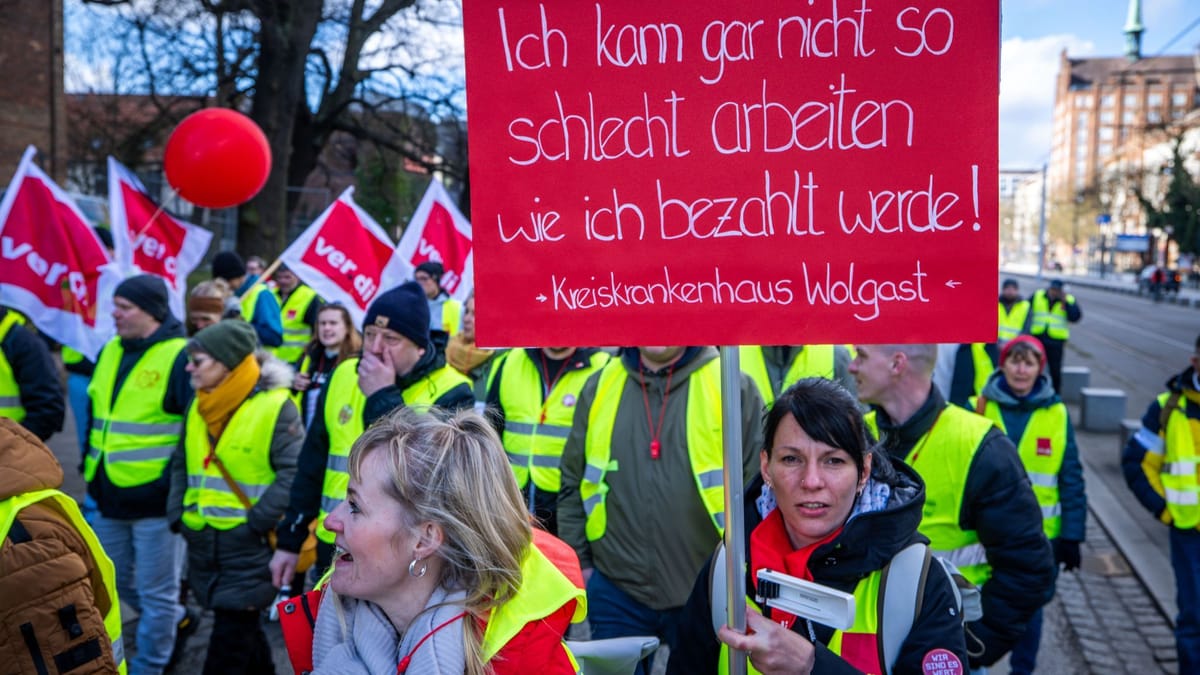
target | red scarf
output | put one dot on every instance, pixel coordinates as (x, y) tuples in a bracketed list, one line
[(771, 549)]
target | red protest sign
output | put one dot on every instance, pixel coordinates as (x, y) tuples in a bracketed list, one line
[(345, 256), (53, 267), (438, 231), (758, 173)]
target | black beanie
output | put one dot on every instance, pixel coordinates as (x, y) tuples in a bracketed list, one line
[(229, 341), (1009, 282), (228, 265), (403, 309), (432, 268), (149, 293)]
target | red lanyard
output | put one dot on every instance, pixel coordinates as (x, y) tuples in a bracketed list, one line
[(403, 665), (656, 430), (548, 383), (925, 438)]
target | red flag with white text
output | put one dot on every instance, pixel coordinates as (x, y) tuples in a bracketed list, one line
[(439, 232), (147, 239), (53, 267), (345, 256)]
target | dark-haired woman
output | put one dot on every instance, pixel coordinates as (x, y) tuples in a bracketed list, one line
[(334, 340), (834, 512)]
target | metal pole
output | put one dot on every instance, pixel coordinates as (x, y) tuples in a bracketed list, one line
[(735, 551), (1042, 229)]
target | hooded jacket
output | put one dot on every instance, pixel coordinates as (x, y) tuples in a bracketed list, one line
[(868, 542), (305, 500), (1016, 412), (999, 505), (1143, 456), (658, 531), (228, 569), (149, 500), (44, 570)]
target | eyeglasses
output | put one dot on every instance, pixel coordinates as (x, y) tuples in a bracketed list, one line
[(198, 360)]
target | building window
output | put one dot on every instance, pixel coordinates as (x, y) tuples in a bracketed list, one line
[(1153, 117), (1154, 100), (1107, 101), (1127, 117), (1103, 150), (1179, 98), (1106, 133), (1081, 151), (1131, 100), (1107, 117), (1176, 113), (1083, 101)]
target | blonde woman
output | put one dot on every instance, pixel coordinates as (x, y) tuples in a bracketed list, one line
[(437, 569)]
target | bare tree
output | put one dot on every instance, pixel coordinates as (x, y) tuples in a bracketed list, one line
[(303, 70)]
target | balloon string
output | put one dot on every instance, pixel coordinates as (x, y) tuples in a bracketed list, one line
[(171, 194)]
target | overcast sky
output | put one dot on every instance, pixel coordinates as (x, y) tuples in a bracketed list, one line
[(1034, 32)]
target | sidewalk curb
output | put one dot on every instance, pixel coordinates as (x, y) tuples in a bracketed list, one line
[(1112, 287), (1152, 570)]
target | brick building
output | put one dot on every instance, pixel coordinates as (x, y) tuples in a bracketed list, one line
[(32, 105)]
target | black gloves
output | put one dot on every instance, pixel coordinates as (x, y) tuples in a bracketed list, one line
[(1066, 553)]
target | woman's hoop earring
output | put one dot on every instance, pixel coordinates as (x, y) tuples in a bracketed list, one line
[(414, 571)]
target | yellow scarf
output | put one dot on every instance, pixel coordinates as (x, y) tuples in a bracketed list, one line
[(464, 356), (216, 407)]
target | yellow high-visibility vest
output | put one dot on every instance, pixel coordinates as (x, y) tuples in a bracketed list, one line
[(133, 435), (536, 426), (811, 361), (1042, 448), (705, 444), (296, 333), (9, 508), (244, 449), (10, 391)]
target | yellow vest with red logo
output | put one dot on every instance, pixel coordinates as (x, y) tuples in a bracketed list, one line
[(296, 333), (537, 422), (1042, 448)]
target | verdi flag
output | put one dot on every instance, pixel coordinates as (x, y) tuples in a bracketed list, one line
[(147, 239), (345, 256), (53, 267), (439, 232)]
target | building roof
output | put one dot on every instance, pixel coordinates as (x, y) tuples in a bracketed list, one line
[(1090, 72)]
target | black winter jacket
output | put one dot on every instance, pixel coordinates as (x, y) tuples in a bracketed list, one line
[(867, 543), (305, 501), (37, 380), (998, 504)]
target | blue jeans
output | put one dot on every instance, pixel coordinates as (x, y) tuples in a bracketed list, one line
[(1024, 654), (147, 557), (612, 613), (78, 397), (1185, 559)]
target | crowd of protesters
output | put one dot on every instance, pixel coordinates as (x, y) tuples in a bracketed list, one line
[(267, 448)]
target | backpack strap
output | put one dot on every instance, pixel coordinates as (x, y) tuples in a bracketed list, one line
[(717, 583), (1165, 413), (901, 598), (980, 404), (298, 621)]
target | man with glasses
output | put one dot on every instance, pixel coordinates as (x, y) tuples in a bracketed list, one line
[(1160, 464), (399, 367), (139, 393)]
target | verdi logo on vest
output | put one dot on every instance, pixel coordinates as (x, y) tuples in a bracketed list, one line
[(1043, 447)]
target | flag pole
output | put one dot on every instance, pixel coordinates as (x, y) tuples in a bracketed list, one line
[(171, 194), (735, 552)]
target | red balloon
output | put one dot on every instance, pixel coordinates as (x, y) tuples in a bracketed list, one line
[(217, 158)]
